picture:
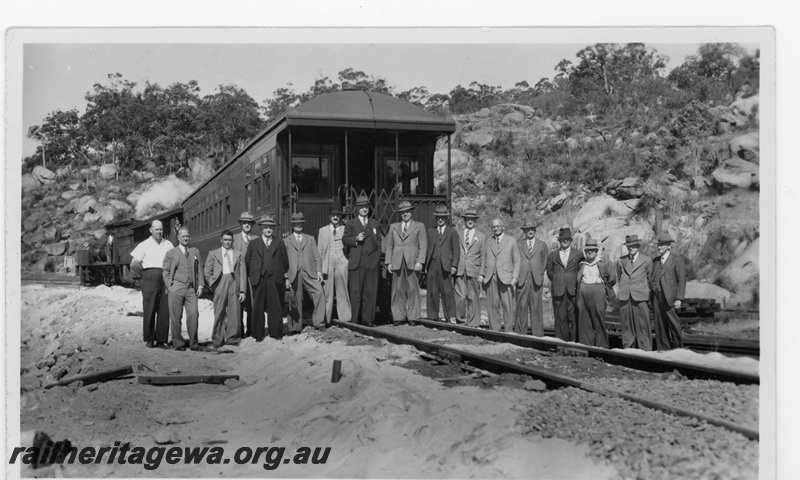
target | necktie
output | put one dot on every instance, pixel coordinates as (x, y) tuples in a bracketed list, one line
[(299, 239), (663, 260), (405, 228), (364, 221), (246, 241), (498, 241), (530, 246), (188, 265), (440, 231)]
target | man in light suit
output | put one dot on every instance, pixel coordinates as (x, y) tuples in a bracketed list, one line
[(634, 272), (334, 268), (185, 283), (669, 287), (224, 275), (499, 274), (467, 288), (406, 245), (533, 253), (240, 243), (305, 273), (267, 266), (442, 259), (362, 238), (562, 270)]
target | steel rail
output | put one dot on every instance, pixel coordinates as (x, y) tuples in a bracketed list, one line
[(551, 379)]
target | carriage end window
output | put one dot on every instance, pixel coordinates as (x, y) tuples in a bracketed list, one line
[(312, 174)]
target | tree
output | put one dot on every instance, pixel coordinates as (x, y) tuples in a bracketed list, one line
[(112, 115), (229, 118), (62, 137)]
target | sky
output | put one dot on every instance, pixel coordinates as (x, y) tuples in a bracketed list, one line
[(57, 76)]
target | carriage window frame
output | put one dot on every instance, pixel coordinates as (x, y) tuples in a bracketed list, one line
[(324, 163)]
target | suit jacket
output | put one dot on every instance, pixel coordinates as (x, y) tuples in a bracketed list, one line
[(411, 246), (238, 242), (303, 255), (325, 237), (670, 277), (563, 278), (449, 248), (213, 268), (175, 259), (634, 278), (534, 263), (470, 259), (367, 252), (266, 263), (502, 259)]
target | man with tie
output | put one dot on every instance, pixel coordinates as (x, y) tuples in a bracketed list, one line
[(185, 282), (669, 286), (146, 261), (467, 287), (442, 259), (334, 268), (362, 237), (533, 254), (634, 272), (406, 245), (499, 274), (562, 270), (305, 273), (267, 265), (240, 243), (224, 274)]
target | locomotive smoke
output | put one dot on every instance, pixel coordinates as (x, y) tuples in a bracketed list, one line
[(162, 196)]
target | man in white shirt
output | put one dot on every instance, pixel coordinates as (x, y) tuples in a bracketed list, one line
[(334, 268), (224, 274), (147, 261)]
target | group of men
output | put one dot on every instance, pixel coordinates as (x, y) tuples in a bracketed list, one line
[(251, 274)]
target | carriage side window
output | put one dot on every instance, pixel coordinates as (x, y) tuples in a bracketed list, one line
[(312, 174), (227, 211), (267, 189), (248, 188), (258, 194)]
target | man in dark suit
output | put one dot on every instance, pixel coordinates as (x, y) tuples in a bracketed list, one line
[(533, 255), (499, 274), (362, 237), (305, 273), (634, 271), (267, 265), (185, 283), (442, 264), (467, 288), (240, 243), (224, 274), (669, 286), (406, 245), (562, 270)]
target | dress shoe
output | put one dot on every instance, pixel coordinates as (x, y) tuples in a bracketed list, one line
[(397, 323), (195, 348), (233, 344), (181, 348), (150, 344), (164, 346), (413, 323)]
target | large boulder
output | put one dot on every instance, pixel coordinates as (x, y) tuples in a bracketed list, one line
[(741, 277), (736, 173), (555, 203), (69, 194), (85, 204), (597, 210), (62, 173), (55, 249), (28, 183), (104, 214), (119, 205), (36, 220), (143, 176), (459, 163), (630, 187), (481, 138), (108, 171), (513, 118), (696, 289), (744, 107), (43, 175), (746, 147)]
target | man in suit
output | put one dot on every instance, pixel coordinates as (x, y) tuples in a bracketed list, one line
[(470, 260), (669, 287), (147, 260), (499, 274), (267, 266), (362, 237), (533, 253), (406, 245), (334, 268), (240, 243), (562, 270), (634, 272), (305, 273), (441, 263), (185, 283), (225, 276)]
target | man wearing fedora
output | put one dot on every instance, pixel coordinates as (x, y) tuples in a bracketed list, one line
[(634, 271), (442, 264), (224, 274), (406, 245), (533, 255), (595, 279), (562, 270), (499, 274), (267, 266), (334, 268), (305, 273), (183, 277), (467, 288), (669, 287), (362, 237), (240, 243)]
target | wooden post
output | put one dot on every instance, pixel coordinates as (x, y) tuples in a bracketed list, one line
[(336, 374)]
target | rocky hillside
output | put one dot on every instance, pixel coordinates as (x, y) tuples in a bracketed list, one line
[(695, 176)]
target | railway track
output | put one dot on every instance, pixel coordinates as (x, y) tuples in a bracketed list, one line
[(51, 281), (555, 379)]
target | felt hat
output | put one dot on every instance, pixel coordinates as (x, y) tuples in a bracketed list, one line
[(246, 217), (404, 206), (565, 234), (334, 211), (362, 200), (267, 220), (531, 223), (631, 240), (470, 213), (441, 211), (298, 217), (591, 244), (664, 238)]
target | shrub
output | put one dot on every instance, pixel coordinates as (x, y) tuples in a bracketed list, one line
[(473, 149), (50, 265), (503, 144)]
